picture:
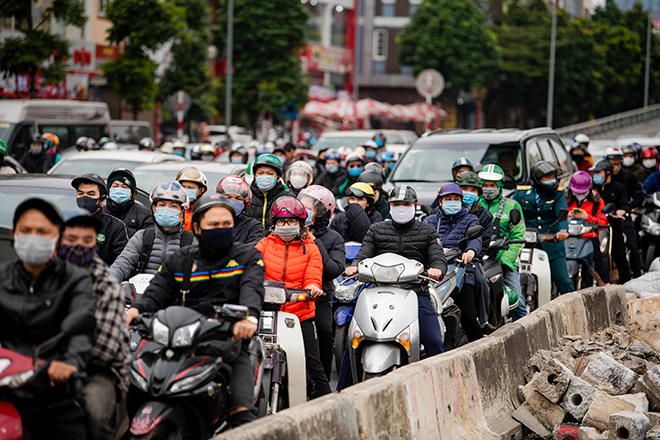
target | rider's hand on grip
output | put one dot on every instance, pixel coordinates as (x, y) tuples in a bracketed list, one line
[(561, 235), (131, 314), (467, 256), (244, 329), (436, 274), (351, 270), (60, 372), (314, 291)]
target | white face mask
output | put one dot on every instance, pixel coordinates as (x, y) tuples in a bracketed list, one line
[(298, 182), (628, 161), (648, 163), (402, 214)]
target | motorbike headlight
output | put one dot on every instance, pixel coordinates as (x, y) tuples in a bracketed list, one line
[(575, 229), (348, 292), (192, 381), (403, 338), (274, 295), (139, 381), (386, 274), (357, 338), (183, 336), (160, 332), (16, 380), (531, 236)]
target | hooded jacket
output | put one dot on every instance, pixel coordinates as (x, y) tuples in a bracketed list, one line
[(39, 163), (354, 222), (331, 246), (298, 263), (112, 237), (248, 230), (261, 203), (134, 215), (332, 181)]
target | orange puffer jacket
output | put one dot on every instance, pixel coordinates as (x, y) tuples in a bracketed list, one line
[(297, 263), (187, 218)]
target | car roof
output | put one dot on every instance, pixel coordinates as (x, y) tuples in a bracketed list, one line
[(352, 133), (217, 167), (490, 135), (140, 156), (37, 180), (123, 122)]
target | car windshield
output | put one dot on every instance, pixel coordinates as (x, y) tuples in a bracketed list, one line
[(100, 167), (431, 161), (129, 133), (95, 132), (148, 179), (5, 130), (12, 196), (336, 142)]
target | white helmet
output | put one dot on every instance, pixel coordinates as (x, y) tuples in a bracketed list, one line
[(581, 138), (172, 191)]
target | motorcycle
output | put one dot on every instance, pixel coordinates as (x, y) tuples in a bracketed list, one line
[(651, 229), (18, 371), (385, 327), (135, 286), (179, 384), (284, 382), (535, 276)]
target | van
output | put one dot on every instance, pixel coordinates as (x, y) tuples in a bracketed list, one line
[(130, 132), (397, 140), (69, 120)]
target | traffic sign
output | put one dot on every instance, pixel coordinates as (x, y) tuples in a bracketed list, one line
[(430, 82)]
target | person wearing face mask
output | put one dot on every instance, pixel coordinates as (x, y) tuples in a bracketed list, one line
[(179, 148), (247, 229), (4, 152), (585, 204), (649, 162), (370, 151), (148, 249), (358, 215), (39, 290), (578, 154), (374, 175), (320, 205), (238, 154), (385, 160), (195, 184), (541, 203), (266, 187), (292, 256), (122, 189), (107, 380), (333, 174), (452, 223), (91, 192), (460, 165), (218, 271), (631, 165), (299, 175), (36, 159), (492, 183), (354, 165)]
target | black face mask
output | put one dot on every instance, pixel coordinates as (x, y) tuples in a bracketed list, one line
[(217, 239), (578, 158), (88, 203)]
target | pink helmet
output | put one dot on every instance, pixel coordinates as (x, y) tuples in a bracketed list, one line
[(288, 207), (322, 198), (580, 182)]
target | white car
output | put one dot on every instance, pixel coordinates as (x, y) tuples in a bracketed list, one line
[(102, 162), (398, 141)]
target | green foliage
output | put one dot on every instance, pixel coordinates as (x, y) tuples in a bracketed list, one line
[(267, 71), (38, 48), (133, 75), (452, 37)]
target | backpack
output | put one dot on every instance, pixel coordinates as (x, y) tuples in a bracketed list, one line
[(148, 244)]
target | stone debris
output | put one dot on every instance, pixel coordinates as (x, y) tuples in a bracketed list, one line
[(593, 389)]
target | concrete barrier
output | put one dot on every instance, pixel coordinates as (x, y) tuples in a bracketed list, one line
[(467, 393)]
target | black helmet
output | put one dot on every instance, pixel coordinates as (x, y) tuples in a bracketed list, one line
[(372, 178), (208, 201), (239, 149), (36, 138), (91, 178), (603, 165), (403, 193), (468, 178), (375, 166), (543, 169)]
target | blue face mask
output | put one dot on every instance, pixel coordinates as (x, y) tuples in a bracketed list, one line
[(192, 194), (266, 183), (236, 159), (392, 166), (332, 168), (310, 214), (167, 217), (469, 198), (451, 207), (598, 179), (178, 153), (354, 172), (550, 182), (238, 206), (370, 154), (120, 195)]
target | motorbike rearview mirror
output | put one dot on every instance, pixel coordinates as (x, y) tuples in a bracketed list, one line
[(78, 324), (426, 209), (608, 209), (232, 311), (563, 215), (514, 217), (474, 232)]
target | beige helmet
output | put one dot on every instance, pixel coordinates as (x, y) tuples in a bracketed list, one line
[(192, 174)]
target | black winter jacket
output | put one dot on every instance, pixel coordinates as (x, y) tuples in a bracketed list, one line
[(32, 311), (615, 193), (112, 238), (486, 221), (235, 276), (261, 203), (634, 189), (333, 253), (332, 181), (40, 163), (354, 222), (134, 215), (248, 230)]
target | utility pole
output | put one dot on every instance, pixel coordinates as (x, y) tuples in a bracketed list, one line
[(230, 61), (551, 76), (647, 69)]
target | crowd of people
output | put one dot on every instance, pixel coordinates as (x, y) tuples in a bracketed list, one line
[(209, 246)]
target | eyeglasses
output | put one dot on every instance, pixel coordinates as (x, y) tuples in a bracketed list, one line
[(286, 222), (355, 166)]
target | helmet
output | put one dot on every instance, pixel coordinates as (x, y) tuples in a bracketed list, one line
[(404, 193), (103, 140), (111, 145), (511, 298), (492, 172), (207, 149), (462, 162), (613, 153), (385, 156), (239, 149), (323, 199), (148, 143), (192, 174), (629, 149), (371, 144), (542, 169), (36, 138), (373, 178), (91, 178), (450, 188), (52, 138), (261, 149), (468, 178), (81, 143), (178, 144), (580, 182), (344, 151), (376, 167), (235, 185), (255, 144), (649, 152), (353, 157), (196, 152), (332, 155), (288, 207), (603, 165), (581, 138), (361, 190), (268, 160), (208, 201), (167, 148), (4, 151), (172, 191), (125, 176), (299, 168)]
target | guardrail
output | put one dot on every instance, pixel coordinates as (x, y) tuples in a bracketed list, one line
[(612, 122)]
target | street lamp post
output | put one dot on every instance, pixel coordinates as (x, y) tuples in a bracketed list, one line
[(230, 56), (551, 76), (647, 69)]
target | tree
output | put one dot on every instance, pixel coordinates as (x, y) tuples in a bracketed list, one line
[(142, 27), (38, 49), (450, 36), (268, 36)]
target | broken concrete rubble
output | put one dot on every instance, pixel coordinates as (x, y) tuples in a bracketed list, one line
[(598, 415), (629, 425), (539, 414), (579, 397), (608, 375)]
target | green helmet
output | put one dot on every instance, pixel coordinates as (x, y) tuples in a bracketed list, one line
[(492, 173), (468, 178), (3, 149), (511, 298), (268, 160)]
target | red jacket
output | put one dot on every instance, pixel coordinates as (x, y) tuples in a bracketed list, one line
[(588, 206), (298, 263)]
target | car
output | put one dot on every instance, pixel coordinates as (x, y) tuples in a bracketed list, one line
[(644, 141), (597, 148), (130, 132), (149, 175), (56, 189), (102, 162), (16, 165), (397, 140), (427, 164)]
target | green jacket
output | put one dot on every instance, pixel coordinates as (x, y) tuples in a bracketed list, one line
[(507, 257)]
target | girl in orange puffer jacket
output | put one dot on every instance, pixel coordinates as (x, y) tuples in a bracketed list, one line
[(291, 256)]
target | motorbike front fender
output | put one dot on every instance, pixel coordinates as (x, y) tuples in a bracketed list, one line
[(151, 414), (572, 266), (378, 357), (344, 314)]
